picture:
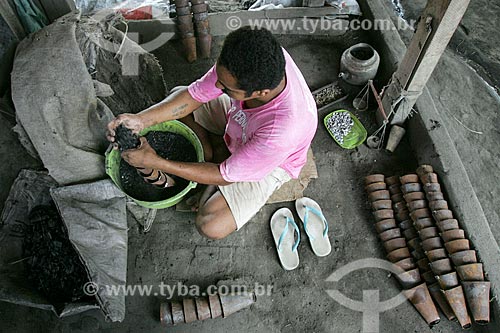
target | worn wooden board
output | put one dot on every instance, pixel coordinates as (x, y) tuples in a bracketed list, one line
[(421, 59), (294, 189)]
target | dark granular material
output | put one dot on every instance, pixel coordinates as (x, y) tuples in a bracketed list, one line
[(126, 139), (362, 53), (54, 266), (169, 146)]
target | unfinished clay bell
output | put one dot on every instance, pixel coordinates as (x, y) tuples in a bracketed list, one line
[(392, 180), (410, 178), (448, 281), (375, 187), (234, 302), (190, 48), (398, 254), (478, 298), (471, 272), (375, 178), (390, 234), (379, 195), (421, 299), (436, 254), (441, 301), (409, 279), (385, 225), (446, 225), (464, 257), (441, 266), (189, 308), (382, 204), (456, 299), (423, 223), (433, 196), (394, 244), (406, 264), (457, 245), (409, 197), (428, 233), (411, 187), (383, 214), (451, 235)]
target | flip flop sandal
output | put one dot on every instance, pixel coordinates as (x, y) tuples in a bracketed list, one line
[(315, 225), (281, 221)]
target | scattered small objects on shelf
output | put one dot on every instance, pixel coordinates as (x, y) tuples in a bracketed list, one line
[(340, 124), (327, 95)]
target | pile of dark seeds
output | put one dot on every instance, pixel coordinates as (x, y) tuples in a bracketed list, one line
[(168, 145), (340, 124), (53, 265), (328, 95), (126, 139)]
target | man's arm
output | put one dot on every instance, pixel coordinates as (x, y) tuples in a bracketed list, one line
[(175, 106)]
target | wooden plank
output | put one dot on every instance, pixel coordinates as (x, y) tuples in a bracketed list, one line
[(9, 14), (414, 71), (57, 8)]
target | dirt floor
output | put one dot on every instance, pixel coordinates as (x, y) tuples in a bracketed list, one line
[(174, 252)]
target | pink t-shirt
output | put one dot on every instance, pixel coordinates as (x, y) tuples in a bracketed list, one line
[(276, 134)]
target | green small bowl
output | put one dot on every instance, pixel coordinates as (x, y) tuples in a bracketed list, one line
[(355, 137)]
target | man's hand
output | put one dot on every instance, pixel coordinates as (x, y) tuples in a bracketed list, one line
[(130, 121), (142, 157)]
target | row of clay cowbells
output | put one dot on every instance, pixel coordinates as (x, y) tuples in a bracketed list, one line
[(397, 249), (412, 238), (470, 272), (432, 244), (189, 310), (185, 14)]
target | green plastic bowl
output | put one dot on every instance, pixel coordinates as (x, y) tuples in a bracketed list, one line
[(355, 137), (113, 159)]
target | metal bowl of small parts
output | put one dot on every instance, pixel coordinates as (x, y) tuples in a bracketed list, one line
[(345, 129)]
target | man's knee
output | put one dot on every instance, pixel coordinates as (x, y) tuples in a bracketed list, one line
[(208, 227)]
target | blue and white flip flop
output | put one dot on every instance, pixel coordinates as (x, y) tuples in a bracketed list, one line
[(315, 225), (283, 228)]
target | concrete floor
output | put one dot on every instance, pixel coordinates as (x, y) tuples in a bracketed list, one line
[(173, 251)]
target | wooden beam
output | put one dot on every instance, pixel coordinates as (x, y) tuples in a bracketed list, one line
[(438, 22), (9, 14)]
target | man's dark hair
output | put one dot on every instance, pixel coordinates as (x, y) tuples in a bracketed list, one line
[(254, 57)]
